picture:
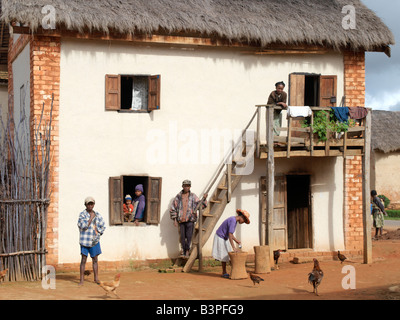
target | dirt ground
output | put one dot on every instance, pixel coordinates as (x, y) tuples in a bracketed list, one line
[(378, 281)]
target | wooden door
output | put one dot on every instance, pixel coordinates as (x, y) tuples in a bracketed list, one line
[(328, 91), (279, 217)]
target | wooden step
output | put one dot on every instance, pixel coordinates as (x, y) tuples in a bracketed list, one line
[(223, 188), (197, 227), (216, 201), (204, 214), (232, 174)]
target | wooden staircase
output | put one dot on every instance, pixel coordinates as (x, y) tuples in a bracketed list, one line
[(211, 215), (241, 154)]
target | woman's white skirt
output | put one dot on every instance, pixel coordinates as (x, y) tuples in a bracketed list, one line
[(221, 248)]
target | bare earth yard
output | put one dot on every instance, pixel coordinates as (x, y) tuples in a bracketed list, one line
[(379, 281)]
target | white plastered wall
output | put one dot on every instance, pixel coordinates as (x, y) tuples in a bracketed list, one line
[(387, 175), (21, 85), (204, 92)]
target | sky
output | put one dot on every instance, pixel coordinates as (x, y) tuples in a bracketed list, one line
[(383, 73)]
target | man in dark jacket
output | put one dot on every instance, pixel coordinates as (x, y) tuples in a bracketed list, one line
[(184, 215)]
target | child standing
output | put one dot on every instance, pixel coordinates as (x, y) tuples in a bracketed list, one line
[(128, 208), (224, 238), (378, 210), (91, 226), (140, 199)]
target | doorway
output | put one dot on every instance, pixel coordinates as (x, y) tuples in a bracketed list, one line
[(299, 217)]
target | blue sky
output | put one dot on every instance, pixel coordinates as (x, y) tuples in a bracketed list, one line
[(383, 73)]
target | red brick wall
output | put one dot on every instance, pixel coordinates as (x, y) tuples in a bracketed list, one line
[(354, 80), (45, 81)]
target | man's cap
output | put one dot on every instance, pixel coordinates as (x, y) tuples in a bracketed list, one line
[(188, 182), (89, 199)]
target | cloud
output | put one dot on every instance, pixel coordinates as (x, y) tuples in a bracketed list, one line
[(389, 101), (382, 75)]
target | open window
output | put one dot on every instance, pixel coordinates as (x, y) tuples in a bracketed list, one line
[(120, 186), (133, 93), (313, 90)]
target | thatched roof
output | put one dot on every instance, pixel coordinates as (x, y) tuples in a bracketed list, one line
[(385, 131), (313, 22)]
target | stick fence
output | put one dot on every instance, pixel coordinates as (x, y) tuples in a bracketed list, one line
[(24, 194)]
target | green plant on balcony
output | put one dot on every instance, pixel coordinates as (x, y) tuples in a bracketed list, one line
[(324, 121)]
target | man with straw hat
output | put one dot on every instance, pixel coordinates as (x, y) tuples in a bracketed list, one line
[(224, 238)]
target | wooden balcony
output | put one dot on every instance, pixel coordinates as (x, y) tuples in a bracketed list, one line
[(298, 140)]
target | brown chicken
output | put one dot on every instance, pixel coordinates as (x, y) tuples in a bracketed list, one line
[(341, 257), (111, 286), (87, 273), (315, 276), (3, 274), (255, 279), (277, 254)]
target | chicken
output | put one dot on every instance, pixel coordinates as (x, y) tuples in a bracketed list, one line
[(315, 276), (255, 279), (87, 273), (3, 274), (111, 286), (277, 254), (341, 257)]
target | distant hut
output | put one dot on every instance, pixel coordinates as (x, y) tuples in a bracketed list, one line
[(385, 156)]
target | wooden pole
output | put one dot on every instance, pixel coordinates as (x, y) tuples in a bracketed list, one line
[(258, 132), (200, 250), (229, 181), (270, 182), (367, 191)]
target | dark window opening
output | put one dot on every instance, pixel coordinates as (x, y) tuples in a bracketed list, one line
[(311, 92), (121, 186), (134, 92)]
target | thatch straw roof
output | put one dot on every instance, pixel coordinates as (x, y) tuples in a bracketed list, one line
[(385, 131), (313, 22)]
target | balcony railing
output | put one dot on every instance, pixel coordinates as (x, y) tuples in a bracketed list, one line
[(298, 137)]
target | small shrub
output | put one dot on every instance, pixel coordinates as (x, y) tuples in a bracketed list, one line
[(386, 200), (393, 213)]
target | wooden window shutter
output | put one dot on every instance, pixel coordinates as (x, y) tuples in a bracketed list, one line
[(297, 84), (113, 92), (328, 91), (116, 203), (153, 201), (154, 93)]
